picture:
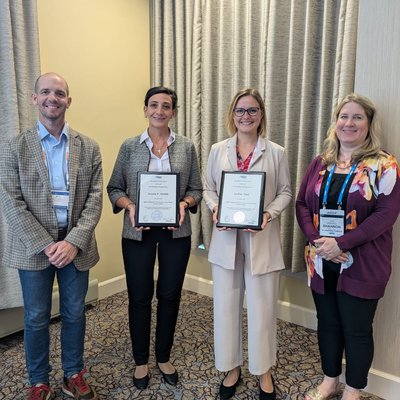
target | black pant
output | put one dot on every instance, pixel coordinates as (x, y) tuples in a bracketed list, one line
[(139, 258), (344, 324)]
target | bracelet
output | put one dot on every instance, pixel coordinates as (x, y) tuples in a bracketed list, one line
[(270, 218), (127, 206)]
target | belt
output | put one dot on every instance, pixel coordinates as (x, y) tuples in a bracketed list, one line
[(62, 233)]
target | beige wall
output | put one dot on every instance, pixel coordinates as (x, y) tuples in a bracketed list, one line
[(102, 48)]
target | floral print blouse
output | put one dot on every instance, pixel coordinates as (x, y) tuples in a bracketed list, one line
[(373, 205)]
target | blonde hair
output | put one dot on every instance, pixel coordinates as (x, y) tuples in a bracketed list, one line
[(230, 124), (372, 144)]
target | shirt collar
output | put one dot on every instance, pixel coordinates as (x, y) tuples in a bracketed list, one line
[(43, 132), (144, 137)]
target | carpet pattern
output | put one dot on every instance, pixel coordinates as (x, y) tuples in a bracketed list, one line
[(108, 357)]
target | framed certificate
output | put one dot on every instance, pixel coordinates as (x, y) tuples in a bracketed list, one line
[(241, 200), (157, 199)]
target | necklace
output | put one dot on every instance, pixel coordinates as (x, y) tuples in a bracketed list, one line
[(343, 164), (160, 143), (159, 149)]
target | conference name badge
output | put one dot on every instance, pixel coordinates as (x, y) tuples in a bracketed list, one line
[(331, 222), (60, 198)]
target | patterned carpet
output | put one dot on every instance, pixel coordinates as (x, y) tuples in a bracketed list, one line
[(108, 356)]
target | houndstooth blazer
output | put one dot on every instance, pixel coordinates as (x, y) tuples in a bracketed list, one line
[(27, 207), (134, 156)]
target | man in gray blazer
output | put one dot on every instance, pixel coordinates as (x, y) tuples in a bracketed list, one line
[(51, 199)]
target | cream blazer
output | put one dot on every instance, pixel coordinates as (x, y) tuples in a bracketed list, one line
[(266, 244)]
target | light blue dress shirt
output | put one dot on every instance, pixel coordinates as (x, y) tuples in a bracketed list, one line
[(55, 155)]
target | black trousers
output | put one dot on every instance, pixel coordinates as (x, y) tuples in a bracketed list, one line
[(139, 258), (344, 324)]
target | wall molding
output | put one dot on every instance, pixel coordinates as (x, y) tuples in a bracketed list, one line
[(112, 286), (12, 319)]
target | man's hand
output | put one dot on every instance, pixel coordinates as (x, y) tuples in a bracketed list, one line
[(61, 253), (50, 249)]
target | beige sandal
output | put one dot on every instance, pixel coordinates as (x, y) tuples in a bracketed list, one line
[(315, 394), (355, 393)]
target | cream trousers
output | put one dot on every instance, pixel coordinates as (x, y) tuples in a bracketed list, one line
[(229, 287)]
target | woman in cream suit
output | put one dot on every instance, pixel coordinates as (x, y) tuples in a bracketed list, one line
[(250, 260)]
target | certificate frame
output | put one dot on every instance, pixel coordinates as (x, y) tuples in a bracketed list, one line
[(157, 199), (241, 200)]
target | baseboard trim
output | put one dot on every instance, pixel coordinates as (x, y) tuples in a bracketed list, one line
[(297, 315), (12, 319), (198, 285), (380, 383), (91, 296), (286, 311), (112, 286)]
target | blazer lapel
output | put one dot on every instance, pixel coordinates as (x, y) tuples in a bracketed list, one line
[(258, 156), (231, 151), (33, 139), (73, 165)]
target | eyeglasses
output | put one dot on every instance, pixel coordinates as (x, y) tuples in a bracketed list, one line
[(252, 111)]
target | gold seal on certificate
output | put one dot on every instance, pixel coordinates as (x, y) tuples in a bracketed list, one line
[(157, 199), (241, 200)]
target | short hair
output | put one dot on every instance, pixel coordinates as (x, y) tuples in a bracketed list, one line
[(36, 87), (230, 124), (372, 144), (161, 89)]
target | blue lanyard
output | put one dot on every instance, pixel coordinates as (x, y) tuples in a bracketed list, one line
[(328, 184)]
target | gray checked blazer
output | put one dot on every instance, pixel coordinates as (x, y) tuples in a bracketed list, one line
[(135, 156), (27, 207)]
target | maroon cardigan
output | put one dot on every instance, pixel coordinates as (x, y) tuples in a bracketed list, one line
[(373, 204)]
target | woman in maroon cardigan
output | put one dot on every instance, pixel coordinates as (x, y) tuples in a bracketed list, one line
[(346, 206)]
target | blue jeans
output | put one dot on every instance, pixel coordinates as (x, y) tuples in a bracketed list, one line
[(37, 289)]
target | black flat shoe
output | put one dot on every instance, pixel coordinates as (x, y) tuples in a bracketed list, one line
[(141, 383), (171, 379), (226, 392), (268, 395)]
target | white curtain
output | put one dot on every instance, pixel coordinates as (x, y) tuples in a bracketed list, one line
[(19, 67), (299, 54)]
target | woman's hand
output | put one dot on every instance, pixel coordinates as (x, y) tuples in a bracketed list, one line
[(182, 214), (131, 210), (215, 219), (341, 258), (182, 211), (266, 219), (215, 214), (327, 248)]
